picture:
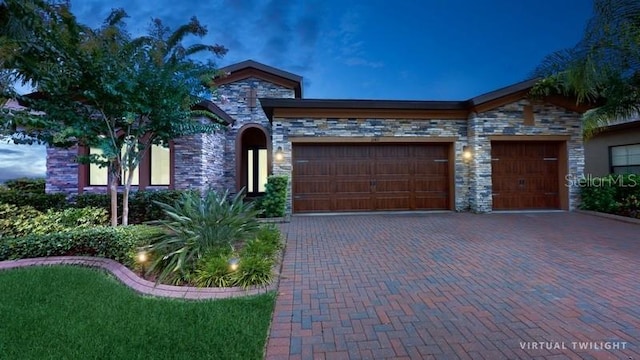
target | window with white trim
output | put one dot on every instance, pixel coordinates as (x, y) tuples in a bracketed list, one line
[(625, 159)]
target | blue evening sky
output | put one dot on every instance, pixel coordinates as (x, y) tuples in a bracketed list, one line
[(371, 49)]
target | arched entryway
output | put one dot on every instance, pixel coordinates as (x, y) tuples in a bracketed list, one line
[(253, 159)]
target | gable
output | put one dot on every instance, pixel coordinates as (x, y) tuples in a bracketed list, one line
[(253, 69)]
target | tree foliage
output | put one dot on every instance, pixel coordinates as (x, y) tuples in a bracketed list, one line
[(603, 68), (103, 88)]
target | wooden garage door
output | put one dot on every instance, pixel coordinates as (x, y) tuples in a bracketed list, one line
[(525, 175), (365, 177)]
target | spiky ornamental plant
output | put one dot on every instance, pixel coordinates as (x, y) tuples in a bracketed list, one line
[(104, 89), (199, 225), (603, 69)]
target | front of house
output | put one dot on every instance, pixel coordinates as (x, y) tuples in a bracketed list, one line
[(498, 151)]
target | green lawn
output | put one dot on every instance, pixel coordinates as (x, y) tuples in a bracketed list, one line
[(69, 312)]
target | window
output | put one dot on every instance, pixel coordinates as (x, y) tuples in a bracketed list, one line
[(257, 171), (97, 175), (160, 165), (154, 169), (625, 159)]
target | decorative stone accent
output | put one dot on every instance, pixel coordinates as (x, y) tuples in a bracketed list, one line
[(199, 160), (236, 104), (509, 120)]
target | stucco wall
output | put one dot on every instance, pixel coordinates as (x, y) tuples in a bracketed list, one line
[(596, 149)]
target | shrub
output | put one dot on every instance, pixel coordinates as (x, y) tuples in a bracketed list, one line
[(96, 200), (213, 271), (272, 204), (142, 204), (14, 219), (119, 243), (42, 202), (626, 186), (265, 245), (614, 193), (21, 221), (26, 185), (598, 194), (200, 225), (270, 234), (253, 271)]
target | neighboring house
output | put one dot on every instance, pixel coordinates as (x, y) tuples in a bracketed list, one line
[(614, 150), (498, 151)]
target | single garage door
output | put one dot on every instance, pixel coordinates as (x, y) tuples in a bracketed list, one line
[(369, 177), (525, 175)]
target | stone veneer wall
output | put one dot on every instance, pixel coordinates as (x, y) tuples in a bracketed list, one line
[(285, 129), (508, 120), (236, 104), (62, 170), (198, 161)]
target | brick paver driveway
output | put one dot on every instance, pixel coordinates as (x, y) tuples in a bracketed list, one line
[(452, 286)]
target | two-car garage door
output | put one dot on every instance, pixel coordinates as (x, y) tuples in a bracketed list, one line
[(369, 177)]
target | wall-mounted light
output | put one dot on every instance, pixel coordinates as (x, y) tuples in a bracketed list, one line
[(466, 153), (279, 155)]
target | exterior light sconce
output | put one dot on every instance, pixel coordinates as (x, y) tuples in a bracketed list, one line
[(279, 155), (466, 153)]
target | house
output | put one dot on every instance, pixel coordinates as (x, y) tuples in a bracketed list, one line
[(614, 150), (497, 151)]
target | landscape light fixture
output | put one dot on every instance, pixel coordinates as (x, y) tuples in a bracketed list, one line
[(142, 257), (233, 264)]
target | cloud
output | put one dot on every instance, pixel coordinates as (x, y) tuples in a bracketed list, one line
[(22, 161), (351, 48), (8, 152)]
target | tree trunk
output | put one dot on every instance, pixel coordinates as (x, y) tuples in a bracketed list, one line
[(125, 198), (113, 189)]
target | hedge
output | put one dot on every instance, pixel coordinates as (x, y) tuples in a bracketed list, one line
[(117, 243), (39, 201), (36, 185), (16, 221), (142, 207)]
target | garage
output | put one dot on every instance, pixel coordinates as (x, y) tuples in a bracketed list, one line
[(371, 177), (525, 175)]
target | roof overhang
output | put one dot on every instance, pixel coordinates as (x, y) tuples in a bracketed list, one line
[(407, 109), (214, 109)]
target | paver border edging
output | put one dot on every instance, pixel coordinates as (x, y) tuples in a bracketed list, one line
[(610, 216), (140, 285)]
